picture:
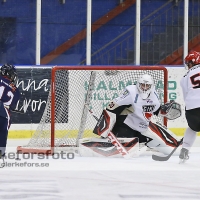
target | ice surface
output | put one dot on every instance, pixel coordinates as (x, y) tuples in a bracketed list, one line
[(85, 178)]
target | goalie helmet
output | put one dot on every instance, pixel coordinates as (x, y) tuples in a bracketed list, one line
[(145, 85), (9, 71), (192, 59)]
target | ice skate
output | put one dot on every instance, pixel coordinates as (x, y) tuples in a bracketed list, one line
[(183, 155)]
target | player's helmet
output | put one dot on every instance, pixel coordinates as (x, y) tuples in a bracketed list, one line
[(9, 71), (145, 85), (193, 58)]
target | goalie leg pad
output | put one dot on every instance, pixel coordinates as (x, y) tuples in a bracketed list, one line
[(163, 139), (163, 148), (102, 147), (105, 124)]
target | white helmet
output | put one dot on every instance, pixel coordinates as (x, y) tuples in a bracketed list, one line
[(145, 85)]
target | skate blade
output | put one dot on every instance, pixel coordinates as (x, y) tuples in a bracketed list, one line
[(2, 165), (182, 161), (2, 162)]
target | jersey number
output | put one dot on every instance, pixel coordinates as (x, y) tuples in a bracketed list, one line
[(9, 94), (195, 82)]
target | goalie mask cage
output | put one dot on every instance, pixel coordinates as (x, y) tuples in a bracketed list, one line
[(66, 119)]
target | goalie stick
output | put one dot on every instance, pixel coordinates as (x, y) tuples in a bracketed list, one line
[(160, 158), (112, 138)]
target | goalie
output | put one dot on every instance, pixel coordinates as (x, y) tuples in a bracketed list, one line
[(129, 116)]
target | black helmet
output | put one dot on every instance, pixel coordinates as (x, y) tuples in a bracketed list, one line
[(9, 71)]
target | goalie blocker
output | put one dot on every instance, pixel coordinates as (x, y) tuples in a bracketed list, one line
[(105, 124)]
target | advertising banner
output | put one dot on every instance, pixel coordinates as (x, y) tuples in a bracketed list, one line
[(34, 85)]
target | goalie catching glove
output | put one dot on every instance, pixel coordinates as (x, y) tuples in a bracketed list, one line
[(171, 110), (105, 124)]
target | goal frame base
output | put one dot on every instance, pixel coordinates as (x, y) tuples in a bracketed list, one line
[(23, 150)]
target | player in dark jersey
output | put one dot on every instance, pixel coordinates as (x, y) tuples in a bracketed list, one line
[(9, 96)]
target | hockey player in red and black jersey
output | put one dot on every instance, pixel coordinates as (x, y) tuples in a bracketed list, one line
[(9, 96), (130, 114), (190, 84)]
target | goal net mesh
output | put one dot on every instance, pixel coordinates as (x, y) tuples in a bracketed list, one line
[(73, 89)]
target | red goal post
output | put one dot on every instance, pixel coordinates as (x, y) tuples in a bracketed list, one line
[(66, 118)]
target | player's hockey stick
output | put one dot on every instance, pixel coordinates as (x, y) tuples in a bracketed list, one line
[(112, 138), (160, 158), (17, 111)]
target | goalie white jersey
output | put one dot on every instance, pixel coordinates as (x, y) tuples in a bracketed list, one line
[(190, 84), (138, 112)]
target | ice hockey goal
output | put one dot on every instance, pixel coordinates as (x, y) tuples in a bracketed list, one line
[(66, 118)]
